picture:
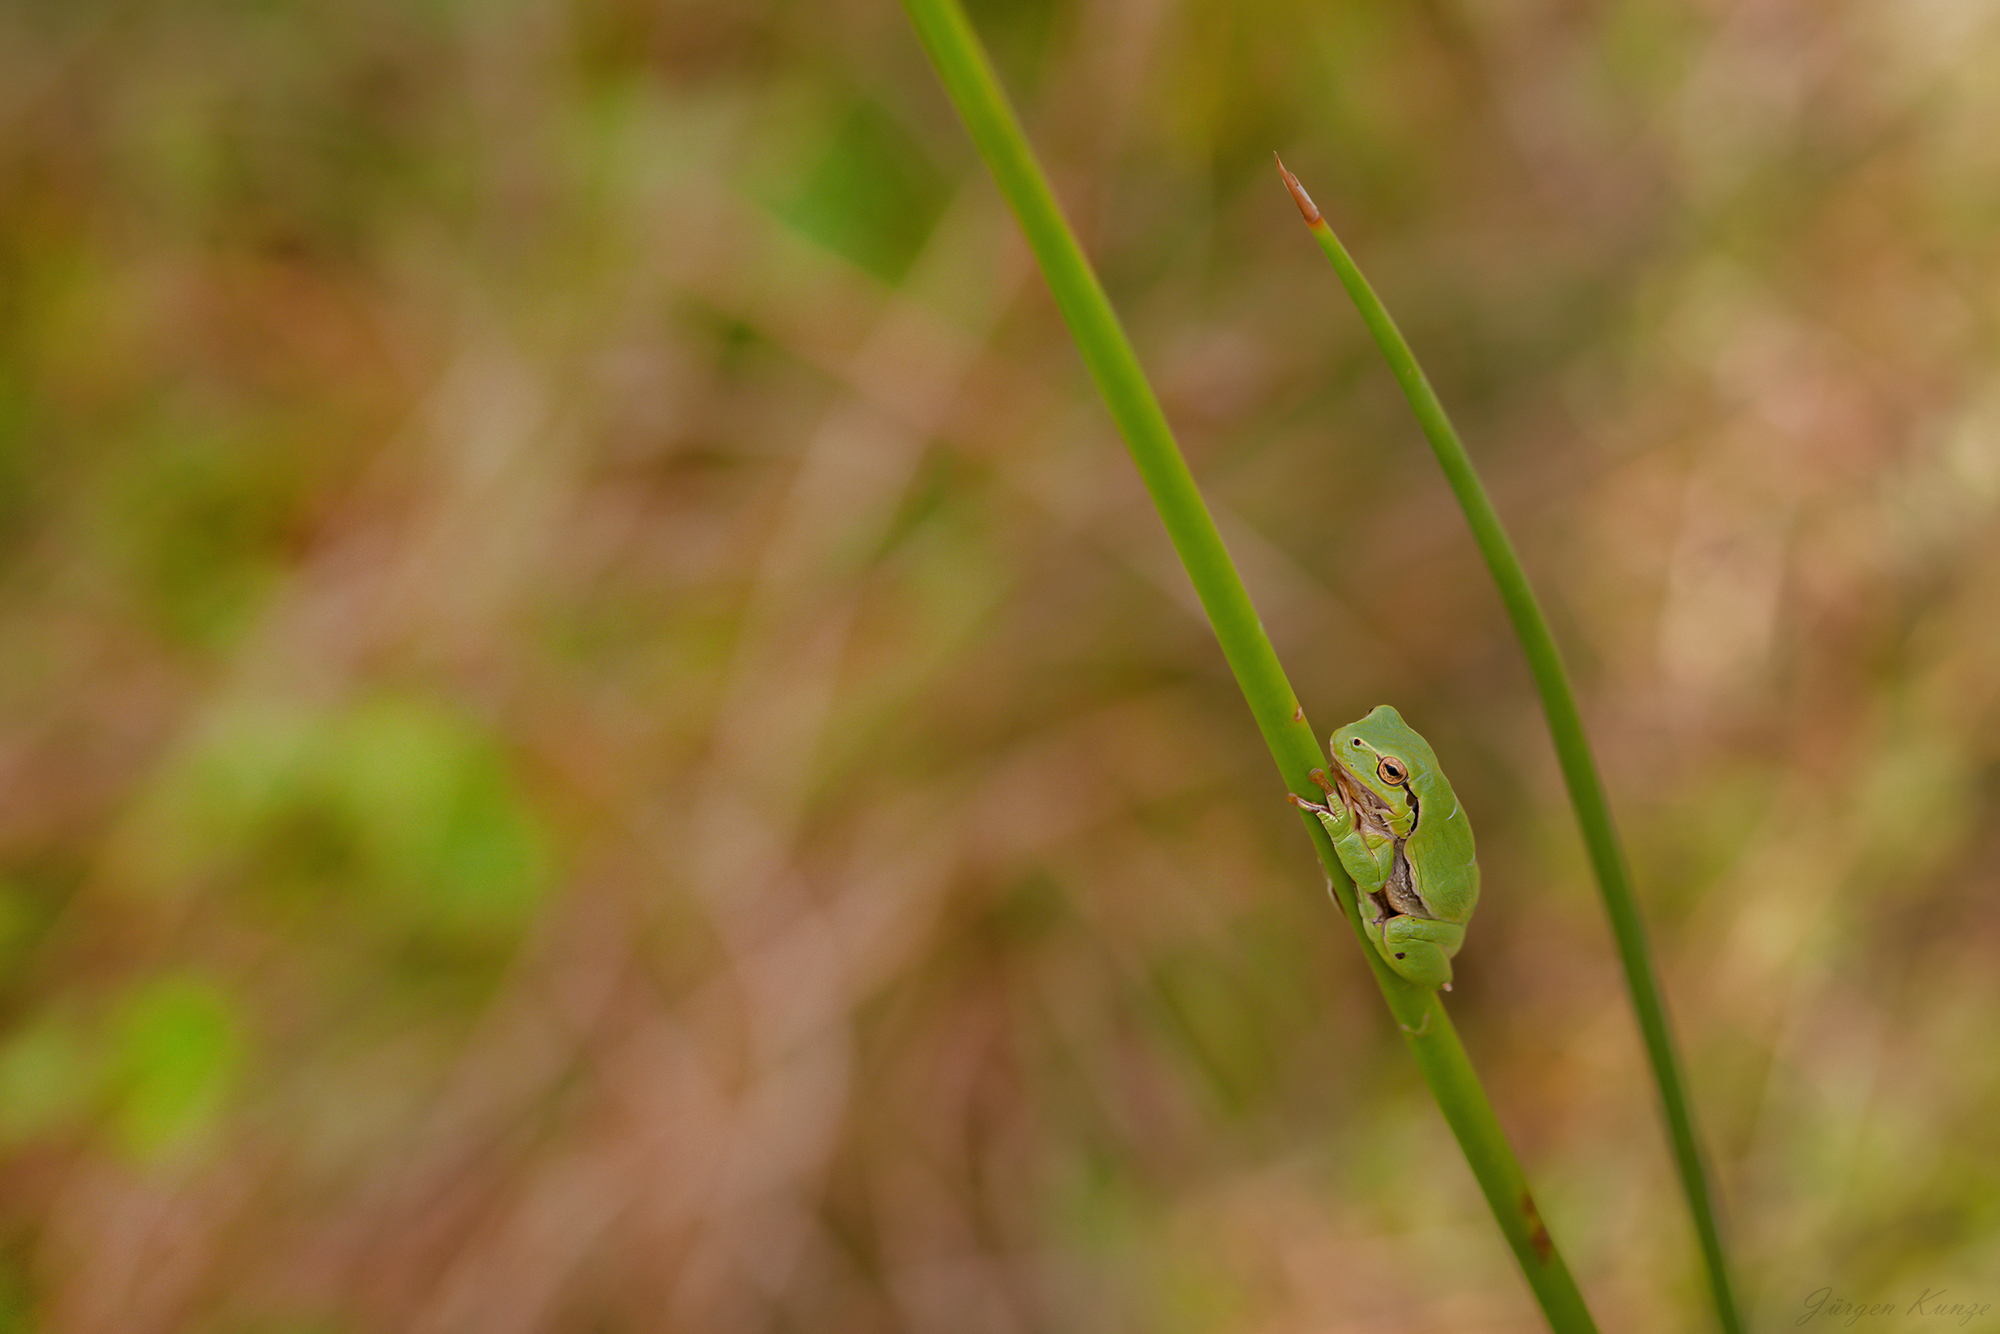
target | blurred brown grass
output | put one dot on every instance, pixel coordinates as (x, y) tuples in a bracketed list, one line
[(598, 736)]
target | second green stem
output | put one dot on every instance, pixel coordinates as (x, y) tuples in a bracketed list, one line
[(1579, 769)]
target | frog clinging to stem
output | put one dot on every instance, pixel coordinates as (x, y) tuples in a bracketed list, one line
[(1398, 828)]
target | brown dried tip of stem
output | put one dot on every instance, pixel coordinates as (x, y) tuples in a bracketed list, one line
[(1299, 195)]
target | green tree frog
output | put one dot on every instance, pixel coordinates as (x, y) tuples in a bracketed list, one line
[(1398, 829)]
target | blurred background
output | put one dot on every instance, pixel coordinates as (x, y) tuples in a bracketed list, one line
[(596, 733)]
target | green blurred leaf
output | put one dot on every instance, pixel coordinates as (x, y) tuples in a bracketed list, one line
[(177, 1047), (873, 195), (396, 814), (48, 1075), (437, 817), (203, 525)]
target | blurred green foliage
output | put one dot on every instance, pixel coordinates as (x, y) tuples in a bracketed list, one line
[(873, 196), (174, 1049), (393, 821)]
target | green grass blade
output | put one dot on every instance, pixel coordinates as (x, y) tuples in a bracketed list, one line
[(968, 78), (1579, 769)]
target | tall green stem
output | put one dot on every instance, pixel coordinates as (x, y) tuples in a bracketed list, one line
[(968, 77), (1579, 769)]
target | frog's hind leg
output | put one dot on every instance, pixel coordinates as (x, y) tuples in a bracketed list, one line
[(1421, 949)]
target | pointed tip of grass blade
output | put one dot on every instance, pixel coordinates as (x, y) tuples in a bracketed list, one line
[(1309, 209)]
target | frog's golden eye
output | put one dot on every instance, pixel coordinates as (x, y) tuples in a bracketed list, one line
[(1392, 771)]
